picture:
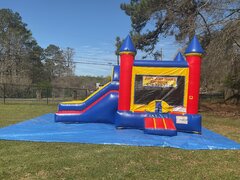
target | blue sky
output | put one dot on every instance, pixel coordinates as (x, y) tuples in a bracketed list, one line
[(88, 26)]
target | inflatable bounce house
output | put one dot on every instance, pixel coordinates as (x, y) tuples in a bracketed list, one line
[(158, 97)]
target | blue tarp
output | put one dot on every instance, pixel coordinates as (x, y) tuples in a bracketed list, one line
[(44, 129)]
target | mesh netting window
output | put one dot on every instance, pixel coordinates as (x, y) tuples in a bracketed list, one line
[(167, 88)]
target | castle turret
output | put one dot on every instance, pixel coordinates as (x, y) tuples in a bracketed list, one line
[(127, 54), (179, 58), (193, 56)]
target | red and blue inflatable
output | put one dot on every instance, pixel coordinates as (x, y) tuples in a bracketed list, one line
[(158, 97)]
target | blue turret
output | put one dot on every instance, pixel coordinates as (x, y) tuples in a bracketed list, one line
[(127, 46), (179, 58), (194, 47)]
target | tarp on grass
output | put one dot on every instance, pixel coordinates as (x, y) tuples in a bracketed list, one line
[(44, 129)]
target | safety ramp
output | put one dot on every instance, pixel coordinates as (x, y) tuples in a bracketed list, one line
[(159, 126), (99, 107)]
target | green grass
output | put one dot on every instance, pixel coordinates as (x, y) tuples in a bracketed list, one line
[(13, 113), (29, 160)]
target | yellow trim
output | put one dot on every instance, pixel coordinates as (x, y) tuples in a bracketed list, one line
[(166, 108), (193, 54), (164, 123), (79, 102), (151, 107), (160, 71), (127, 52), (73, 102), (154, 123)]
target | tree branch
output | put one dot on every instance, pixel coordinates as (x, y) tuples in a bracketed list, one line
[(236, 43), (206, 24)]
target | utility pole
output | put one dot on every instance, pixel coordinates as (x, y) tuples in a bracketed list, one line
[(161, 54), (117, 59)]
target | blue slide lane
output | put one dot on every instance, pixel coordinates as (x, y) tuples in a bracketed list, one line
[(100, 108), (102, 112), (114, 85)]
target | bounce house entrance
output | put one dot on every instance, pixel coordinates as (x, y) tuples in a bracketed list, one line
[(167, 88), (168, 84)]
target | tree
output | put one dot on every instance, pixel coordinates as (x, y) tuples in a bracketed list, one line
[(58, 63), (68, 56), (153, 18), (35, 65), (215, 22), (118, 45), (15, 40), (223, 54), (54, 61), (23, 61), (20, 55)]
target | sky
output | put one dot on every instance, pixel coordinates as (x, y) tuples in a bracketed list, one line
[(90, 27)]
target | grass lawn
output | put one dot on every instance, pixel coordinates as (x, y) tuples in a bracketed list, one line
[(29, 160)]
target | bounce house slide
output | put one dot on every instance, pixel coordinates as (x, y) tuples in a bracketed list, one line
[(160, 97), (98, 107), (81, 105)]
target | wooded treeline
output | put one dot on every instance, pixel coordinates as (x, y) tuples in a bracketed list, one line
[(215, 22), (23, 61)]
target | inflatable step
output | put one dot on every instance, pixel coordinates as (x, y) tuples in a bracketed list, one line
[(159, 126)]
